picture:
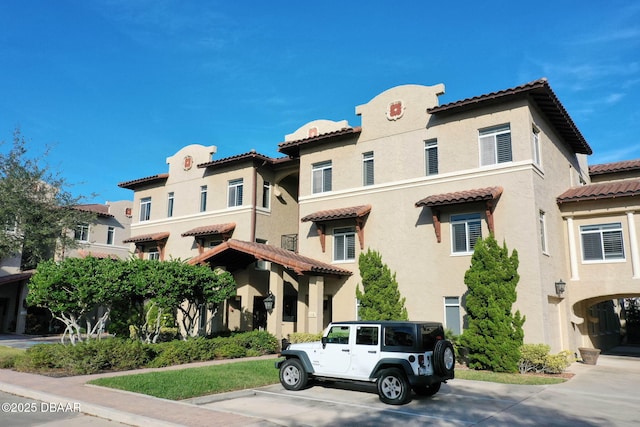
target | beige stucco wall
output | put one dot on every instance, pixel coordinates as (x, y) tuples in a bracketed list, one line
[(427, 271)]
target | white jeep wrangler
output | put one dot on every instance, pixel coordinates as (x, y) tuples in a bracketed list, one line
[(398, 356)]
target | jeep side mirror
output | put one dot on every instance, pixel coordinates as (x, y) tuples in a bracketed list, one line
[(324, 342)]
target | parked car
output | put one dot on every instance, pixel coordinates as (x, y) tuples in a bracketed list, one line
[(397, 356)]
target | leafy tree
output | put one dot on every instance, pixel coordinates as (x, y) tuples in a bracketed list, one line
[(35, 213), (189, 289), (140, 291), (493, 335), (73, 290), (380, 298)]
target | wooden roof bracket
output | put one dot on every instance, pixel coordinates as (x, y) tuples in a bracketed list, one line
[(321, 233), (360, 231), (490, 206), (437, 224)]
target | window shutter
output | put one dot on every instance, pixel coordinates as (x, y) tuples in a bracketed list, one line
[(326, 179), (368, 171), (503, 142), (459, 238), (475, 232), (339, 248), (317, 181), (239, 195), (487, 151), (432, 160), (612, 242), (351, 246), (592, 247)]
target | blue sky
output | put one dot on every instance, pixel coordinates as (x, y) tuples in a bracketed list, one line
[(114, 87)]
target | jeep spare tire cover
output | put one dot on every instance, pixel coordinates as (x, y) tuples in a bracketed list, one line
[(444, 358)]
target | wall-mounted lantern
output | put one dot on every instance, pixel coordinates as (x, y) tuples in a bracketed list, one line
[(560, 288), (269, 301)]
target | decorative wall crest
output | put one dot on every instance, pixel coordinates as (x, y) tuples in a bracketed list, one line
[(395, 110), (187, 162)]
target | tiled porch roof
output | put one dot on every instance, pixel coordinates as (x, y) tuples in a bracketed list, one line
[(251, 155), (292, 148), (335, 214), (237, 254), (13, 278), (85, 254), (132, 185), (541, 94), (208, 230), (153, 237), (101, 210), (605, 190), (624, 166), (467, 196)]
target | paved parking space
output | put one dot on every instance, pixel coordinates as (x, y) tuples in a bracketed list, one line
[(599, 396)]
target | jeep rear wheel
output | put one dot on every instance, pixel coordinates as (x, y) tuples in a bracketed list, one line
[(292, 375), (393, 387), (427, 390), (444, 358)]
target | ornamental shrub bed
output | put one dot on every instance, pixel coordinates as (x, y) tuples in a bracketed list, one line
[(535, 358), (117, 354)]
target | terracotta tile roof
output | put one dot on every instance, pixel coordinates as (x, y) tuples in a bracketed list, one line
[(292, 148), (13, 278), (540, 92), (467, 196), (101, 210), (208, 230), (251, 155), (334, 214), (605, 190), (624, 166), (131, 185), (153, 237), (84, 254), (235, 254)]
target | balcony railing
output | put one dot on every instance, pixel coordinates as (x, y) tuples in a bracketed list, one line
[(289, 242)]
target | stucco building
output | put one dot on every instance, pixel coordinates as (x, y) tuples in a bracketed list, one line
[(419, 182)]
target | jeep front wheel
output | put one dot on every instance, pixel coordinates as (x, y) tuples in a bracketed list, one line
[(393, 387), (292, 375)]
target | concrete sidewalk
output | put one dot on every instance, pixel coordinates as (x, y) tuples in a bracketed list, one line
[(121, 406)]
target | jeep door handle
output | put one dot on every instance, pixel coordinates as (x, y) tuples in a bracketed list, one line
[(345, 350), (372, 352)]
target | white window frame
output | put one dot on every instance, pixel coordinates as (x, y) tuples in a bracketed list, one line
[(153, 254), (368, 169), (203, 198), (456, 305), (492, 143), (266, 194), (542, 223), (235, 193), (82, 232), (535, 142), (430, 156), (321, 177), (470, 239), (170, 204), (603, 229), (111, 235), (145, 209), (344, 241)]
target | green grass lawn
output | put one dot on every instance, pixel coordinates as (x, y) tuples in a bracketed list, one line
[(195, 382)]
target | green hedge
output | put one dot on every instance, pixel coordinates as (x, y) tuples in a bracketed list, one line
[(117, 354)]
